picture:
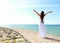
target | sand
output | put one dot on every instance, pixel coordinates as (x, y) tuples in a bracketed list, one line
[(33, 36)]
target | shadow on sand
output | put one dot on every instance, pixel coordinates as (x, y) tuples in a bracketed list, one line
[(52, 39)]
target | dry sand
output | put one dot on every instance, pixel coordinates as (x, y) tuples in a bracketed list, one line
[(33, 36)]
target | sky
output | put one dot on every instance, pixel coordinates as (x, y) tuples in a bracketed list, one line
[(21, 11)]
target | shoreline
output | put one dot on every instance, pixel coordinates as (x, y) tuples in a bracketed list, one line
[(33, 36), (32, 31)]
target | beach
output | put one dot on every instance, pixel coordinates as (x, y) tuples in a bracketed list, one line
[(33, 36)]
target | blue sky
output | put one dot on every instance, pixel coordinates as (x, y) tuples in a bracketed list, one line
[(21, 11)]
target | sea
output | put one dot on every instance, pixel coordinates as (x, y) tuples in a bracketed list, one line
[(50, 29)]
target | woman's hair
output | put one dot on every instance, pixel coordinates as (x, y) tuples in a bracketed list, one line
[(42, 12)]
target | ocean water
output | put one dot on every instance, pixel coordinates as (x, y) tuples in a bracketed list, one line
[(51, 29)]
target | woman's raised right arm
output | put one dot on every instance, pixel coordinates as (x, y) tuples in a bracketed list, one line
[(48, 12)]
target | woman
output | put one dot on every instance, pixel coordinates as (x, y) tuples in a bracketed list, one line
[(42, 30)]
